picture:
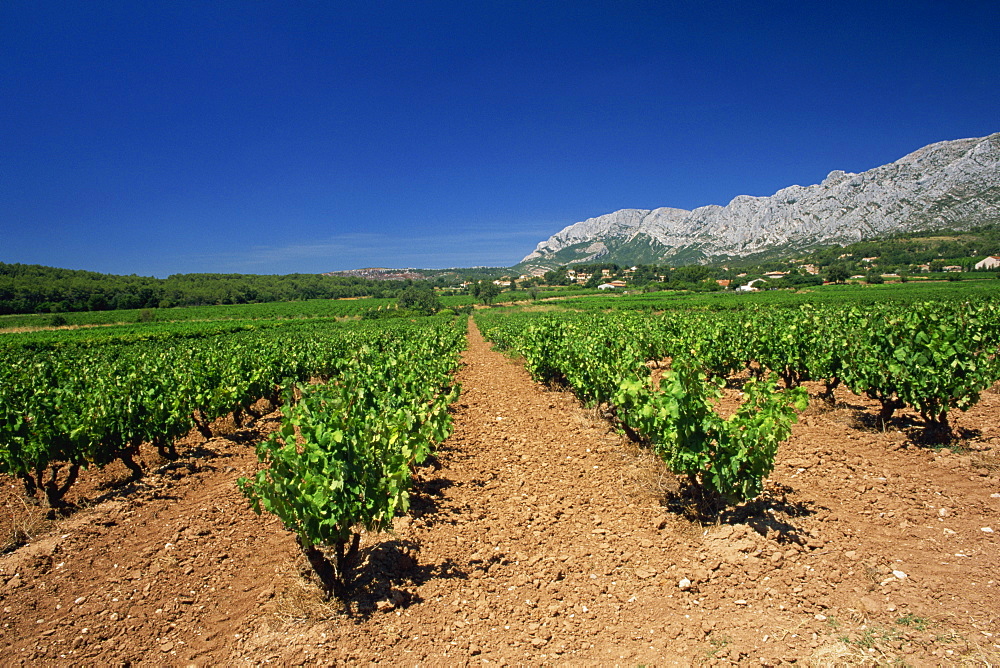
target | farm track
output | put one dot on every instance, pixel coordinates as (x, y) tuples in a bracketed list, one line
[(541, 538)]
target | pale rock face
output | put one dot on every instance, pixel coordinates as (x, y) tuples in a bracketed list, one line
[(947, 184), (618, 224)]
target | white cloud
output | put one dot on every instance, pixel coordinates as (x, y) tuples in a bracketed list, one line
[(490, 246)]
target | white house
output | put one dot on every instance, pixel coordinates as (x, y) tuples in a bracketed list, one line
[(991, 262), (749, 287)]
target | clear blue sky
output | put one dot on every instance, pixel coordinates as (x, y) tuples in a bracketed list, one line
[(258, 136)]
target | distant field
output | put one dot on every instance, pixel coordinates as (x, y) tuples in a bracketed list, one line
[(972, 284), (312, 308), (848, 292)]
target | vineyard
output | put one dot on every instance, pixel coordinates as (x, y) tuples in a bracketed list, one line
[(596, 481)]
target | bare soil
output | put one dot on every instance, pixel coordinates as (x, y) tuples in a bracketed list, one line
[(541, 536)]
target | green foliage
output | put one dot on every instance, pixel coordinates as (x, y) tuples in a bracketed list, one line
[(234, 313), (604, 359), (38, 289), (837, 273), (909, 619), (556, 276), (387, 314), (90, 402), (486, 291), (933, 356), (929, 356), (722, 458), (420, 298), (83, 398), (332, 468), (798, 281), (342, 459)]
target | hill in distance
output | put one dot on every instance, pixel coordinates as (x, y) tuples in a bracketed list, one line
[(946, 185)]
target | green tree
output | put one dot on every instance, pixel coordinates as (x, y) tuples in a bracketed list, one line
[(837, 273), (487, 292), (556, 276), (420, 298), (693, 274)]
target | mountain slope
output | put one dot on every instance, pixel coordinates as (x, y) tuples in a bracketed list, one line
[(951, 184)]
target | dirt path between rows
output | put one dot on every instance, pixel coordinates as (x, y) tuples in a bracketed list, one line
[(542, 538)]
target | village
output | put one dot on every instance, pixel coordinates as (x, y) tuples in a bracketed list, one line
[(794, 273)]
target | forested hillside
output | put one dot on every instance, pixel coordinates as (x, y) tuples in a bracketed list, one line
[(36, 289)]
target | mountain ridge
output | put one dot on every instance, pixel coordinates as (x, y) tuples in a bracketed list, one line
[(953, 184)]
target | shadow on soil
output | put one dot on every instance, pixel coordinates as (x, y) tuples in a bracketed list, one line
[(34, 519), (426, 493), (771, 515), (193, 460), (916, 430), (390, 571), (390, 575)]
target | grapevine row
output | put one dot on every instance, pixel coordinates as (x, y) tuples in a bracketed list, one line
[(343, 457), (67, 406), (931, 356)]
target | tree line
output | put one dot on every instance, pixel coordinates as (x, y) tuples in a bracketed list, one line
[(28, 288)]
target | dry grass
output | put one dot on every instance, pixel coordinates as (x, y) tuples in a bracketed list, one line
[(540, 308), (301, 599), (24, 329), (23, 525), (870, 644)]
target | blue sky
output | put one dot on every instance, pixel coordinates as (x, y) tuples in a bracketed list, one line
[(278, 137)]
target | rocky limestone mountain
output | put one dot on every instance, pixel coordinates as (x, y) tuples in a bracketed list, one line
[(950, 184)]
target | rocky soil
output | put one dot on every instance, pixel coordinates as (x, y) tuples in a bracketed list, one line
[(541, 537)]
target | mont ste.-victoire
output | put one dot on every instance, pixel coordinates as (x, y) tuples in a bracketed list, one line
[(949, 184)]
